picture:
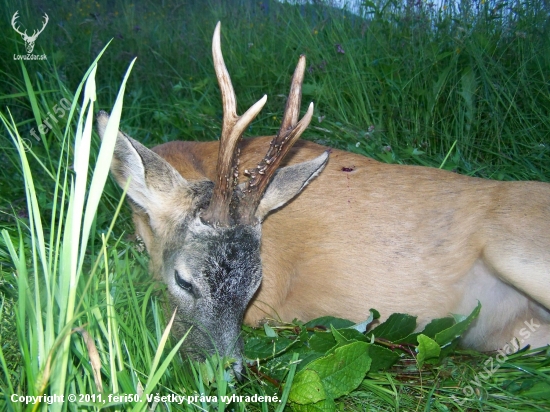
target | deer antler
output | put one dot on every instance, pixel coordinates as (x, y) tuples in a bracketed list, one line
[(232, 130), (13, 19), (289, 132), (233, 127), (35, 33)]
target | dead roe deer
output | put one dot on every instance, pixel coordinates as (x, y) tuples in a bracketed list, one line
[(361, 235)]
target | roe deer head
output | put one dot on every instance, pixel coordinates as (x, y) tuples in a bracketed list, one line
[(361, 235), (208, 234)]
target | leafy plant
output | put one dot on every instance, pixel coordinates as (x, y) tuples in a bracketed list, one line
[(335, 355)]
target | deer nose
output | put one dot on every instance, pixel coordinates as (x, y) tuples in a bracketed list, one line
[(238, 369), (232, 347)]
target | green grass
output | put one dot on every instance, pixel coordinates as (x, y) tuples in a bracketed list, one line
[(468, 89)]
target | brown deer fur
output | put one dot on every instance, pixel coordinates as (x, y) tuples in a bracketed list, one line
[(397, 238)]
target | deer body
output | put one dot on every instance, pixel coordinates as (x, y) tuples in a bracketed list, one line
[(396, 238), (306, 234)]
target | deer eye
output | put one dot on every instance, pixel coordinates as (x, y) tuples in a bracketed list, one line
[(182, 283)]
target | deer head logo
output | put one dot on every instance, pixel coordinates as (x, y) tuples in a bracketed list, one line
[(29, 40)]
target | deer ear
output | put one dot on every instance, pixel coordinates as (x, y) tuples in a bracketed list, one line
[(288, 182), (155, 186)]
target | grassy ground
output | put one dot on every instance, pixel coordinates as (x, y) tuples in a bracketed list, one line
[(466, 88)]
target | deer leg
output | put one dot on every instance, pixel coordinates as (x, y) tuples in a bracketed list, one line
[(517, 242), (523, 261)]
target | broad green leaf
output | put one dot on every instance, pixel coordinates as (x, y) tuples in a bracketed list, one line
[(431, 329), (343, 370), (446, 336), (207, 372), (328, 321), (338, 373), (325, 341), (427, 349), (437, 325), (278, 366), (382, 358), (266, 347), (307, 358), (269, 331), (307, 387), (322, 342), (340, 340), (353, 334), (396, 327)]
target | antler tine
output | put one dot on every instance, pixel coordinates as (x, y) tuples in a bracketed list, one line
[(13, 22), (292, 107), (35, 32), (289, 132), (46, 20), (232, 130)]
